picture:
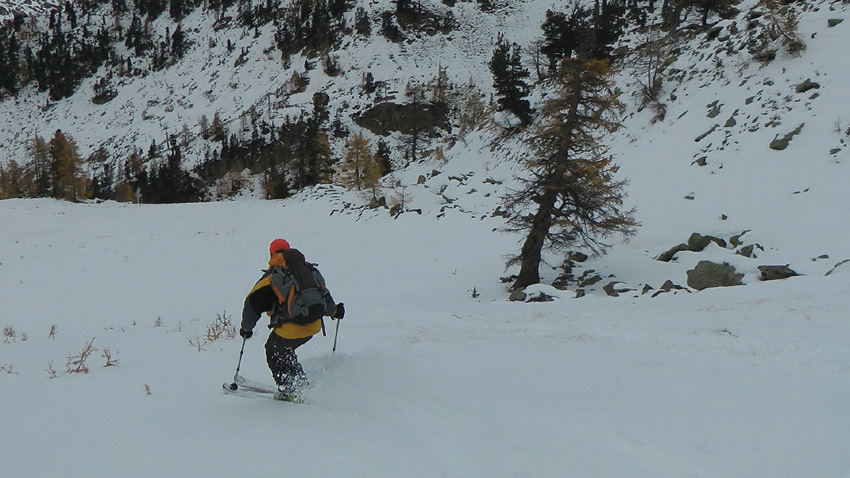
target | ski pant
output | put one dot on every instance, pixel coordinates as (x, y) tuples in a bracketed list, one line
[(283, 363)]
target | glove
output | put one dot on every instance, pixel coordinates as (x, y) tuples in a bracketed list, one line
[(246, 334), (340, 311)]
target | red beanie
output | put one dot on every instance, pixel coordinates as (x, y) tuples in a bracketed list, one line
[(278, 245)]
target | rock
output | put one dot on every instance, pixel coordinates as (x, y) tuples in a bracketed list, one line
[(714, 112), (590, 280), (609, 289), (748, 251), (846, 261), (669, 255), (386, 118), (779, 144), (667, 286), (702, 136), (832, 22), (776, 272), (517, 295), (421, 179), (541, 297), (577, 257), (698, 242), (736, 239), (708, 274), (806, 86), (620, 51), (378, 202), (714, 33)]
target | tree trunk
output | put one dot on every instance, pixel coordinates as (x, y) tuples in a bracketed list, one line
[(531, 254)]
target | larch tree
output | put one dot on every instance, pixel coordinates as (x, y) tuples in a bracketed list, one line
[(362, 169), (69, 181), (578, 201), (39, 164)]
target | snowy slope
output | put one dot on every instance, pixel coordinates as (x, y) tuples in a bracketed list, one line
[(426, 381)]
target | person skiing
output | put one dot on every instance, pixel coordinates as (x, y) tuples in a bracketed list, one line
[(293, 293)]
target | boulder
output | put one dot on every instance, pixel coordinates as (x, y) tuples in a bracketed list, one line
[(667, 286), (612, 290), (577, 257), (697, 242), (708, 274), (806, 86), (669, 255), (518, 295), (776, 272)]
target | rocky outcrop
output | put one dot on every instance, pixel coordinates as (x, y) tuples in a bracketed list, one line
[(385, 118)]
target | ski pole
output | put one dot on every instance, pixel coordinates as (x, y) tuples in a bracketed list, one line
[(336, 333), (234, 385)]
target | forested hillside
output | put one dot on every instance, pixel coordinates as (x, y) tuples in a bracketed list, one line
[(181, 100)]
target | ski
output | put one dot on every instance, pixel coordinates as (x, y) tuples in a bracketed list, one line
[(251, 389)]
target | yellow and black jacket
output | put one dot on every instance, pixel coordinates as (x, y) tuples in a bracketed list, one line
[(271, 294)]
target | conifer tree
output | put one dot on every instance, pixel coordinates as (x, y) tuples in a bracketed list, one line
[(414, 139), (68, 180), (9, 64), (509, 80), (39, 165), (384, 157), (577, 199), (362, 168), (14, 181)]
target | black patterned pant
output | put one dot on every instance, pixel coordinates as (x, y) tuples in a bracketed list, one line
[(283, 363)]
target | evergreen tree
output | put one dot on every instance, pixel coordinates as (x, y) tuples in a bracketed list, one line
[(563, 34), (218, 130), (362, 25), (509, 80), (414, 140), (10, 69), (102, 177), (577, 199), (384, 157), (178, 43)]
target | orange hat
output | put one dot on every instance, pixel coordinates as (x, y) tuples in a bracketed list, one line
[(278, 245)]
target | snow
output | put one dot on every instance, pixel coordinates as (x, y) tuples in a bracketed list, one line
[(436, 372), (426, 380)]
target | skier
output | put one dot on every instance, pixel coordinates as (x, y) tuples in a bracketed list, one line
[(294, 295)]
